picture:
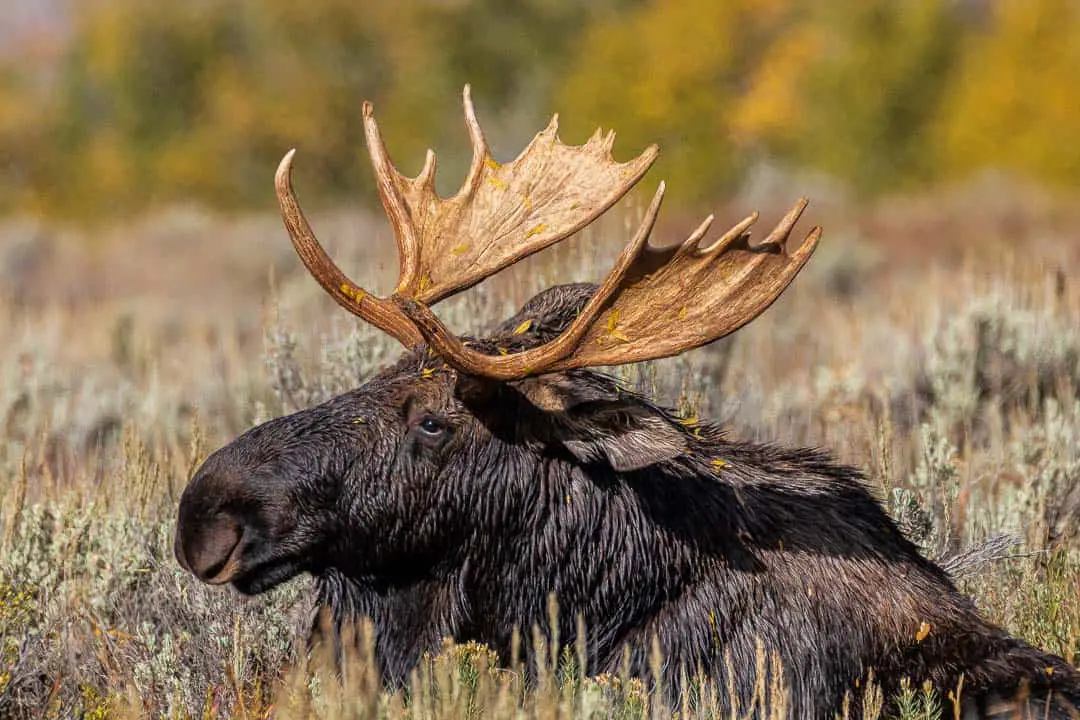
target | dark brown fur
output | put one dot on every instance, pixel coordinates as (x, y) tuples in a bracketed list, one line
[(446, 505)]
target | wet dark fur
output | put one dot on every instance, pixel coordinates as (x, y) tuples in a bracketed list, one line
[(711, 544)]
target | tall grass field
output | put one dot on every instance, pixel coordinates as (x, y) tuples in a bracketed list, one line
[(932, 341)]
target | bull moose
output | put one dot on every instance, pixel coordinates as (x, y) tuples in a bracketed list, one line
[(459, 487)]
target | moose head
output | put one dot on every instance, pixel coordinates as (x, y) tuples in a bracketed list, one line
[(373, 466)]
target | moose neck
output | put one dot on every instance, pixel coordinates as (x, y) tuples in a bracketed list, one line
[(585, 535), (614, 548)]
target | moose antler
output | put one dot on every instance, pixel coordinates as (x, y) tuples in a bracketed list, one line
[(654, 303), (502, 214)]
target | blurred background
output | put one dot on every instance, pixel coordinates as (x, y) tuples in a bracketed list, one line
[(134, 137), (111, 107)]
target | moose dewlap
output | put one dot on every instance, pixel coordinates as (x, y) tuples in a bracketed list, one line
[(489, 472)]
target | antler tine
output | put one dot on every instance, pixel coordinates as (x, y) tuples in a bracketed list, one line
[(536, 360), (387, 180), (780, 233), (479, 144), (737, 231), (379, 312)]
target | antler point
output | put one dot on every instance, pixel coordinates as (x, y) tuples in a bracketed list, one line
[(427, 173), (470, 110), (284, 170), (806, 248), (694, 241)]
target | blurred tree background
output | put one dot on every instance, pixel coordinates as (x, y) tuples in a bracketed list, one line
[(149, 103)]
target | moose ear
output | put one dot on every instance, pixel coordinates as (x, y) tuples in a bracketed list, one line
[(596, 421), (629, 438)]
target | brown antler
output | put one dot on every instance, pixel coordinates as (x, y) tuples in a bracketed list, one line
[(502, 214), (654, 303)]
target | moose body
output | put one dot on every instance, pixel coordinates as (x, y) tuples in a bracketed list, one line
[(449, 498), (712, 546)]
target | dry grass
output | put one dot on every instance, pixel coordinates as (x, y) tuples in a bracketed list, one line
[(932, 343)]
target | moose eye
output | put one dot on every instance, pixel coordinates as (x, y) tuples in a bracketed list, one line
[(430, 426)]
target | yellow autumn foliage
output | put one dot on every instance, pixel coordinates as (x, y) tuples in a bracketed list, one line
[(1014, 102), (675, 73), (153, 103), (871, 92)]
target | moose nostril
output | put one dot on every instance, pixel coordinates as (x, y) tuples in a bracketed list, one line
[(209, 551)]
